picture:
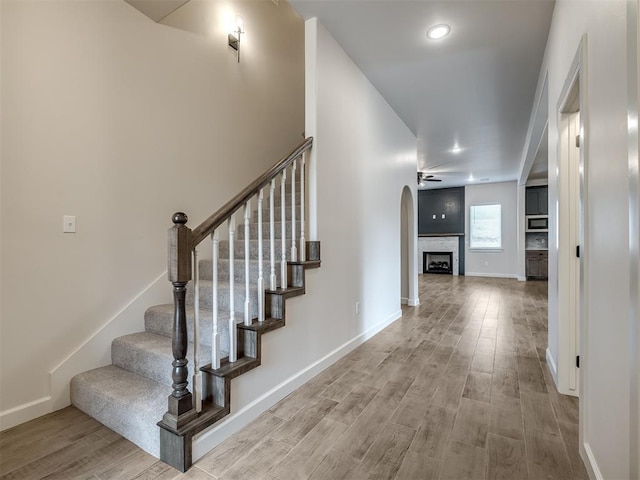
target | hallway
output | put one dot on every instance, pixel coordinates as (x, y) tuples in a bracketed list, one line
[(457, 389)]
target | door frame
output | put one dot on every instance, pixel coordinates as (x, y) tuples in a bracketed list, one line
[(633, 97), (576, 79)]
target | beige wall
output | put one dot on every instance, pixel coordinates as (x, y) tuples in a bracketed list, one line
[(120, 121)]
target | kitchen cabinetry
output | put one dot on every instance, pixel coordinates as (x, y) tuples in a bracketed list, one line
[(537, 201), (537, 264)]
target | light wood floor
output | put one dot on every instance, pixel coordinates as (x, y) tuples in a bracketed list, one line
[(457, 389)]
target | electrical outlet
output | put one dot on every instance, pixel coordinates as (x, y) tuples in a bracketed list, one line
[(357, 308), (69, 224)]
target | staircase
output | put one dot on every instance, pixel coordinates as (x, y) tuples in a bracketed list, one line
[(145, 386)]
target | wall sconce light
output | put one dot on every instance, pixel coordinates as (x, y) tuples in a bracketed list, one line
[(234, 37)]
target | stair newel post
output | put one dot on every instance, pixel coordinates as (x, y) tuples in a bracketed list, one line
[(215, 336), (283, 230), (272, 236), (247, 287), (303, 242), (294, 250), (233, 344), (260, 260), (175, 449), (197, 374)]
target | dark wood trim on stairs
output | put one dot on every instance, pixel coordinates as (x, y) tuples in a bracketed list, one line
[(176, 438)]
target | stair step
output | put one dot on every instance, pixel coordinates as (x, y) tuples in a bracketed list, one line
[(206, 272), (159, 320), (238, 246), (125, 402), (266, 229), (277, 213), (268, 325), (232, 370), (150, 355), (224, 304)]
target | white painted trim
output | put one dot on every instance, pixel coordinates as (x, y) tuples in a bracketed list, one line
[(491, 275), (95, 351), (25, 412), (404, 300), (522, 279), (414, 302), (204, 442), (551, 363), (590, 463)]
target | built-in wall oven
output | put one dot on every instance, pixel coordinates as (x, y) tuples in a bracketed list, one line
[(537, 223)]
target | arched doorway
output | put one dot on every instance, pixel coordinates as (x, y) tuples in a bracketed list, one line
[(408, 249)]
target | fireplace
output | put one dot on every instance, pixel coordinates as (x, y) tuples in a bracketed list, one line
[(437, 262)]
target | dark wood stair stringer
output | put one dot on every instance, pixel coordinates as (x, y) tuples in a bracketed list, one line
[(176, 444)]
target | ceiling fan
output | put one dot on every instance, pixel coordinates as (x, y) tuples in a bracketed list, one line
[(423, 177)]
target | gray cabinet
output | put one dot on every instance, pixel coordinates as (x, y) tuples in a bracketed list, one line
[(537, 201), (537, 264)]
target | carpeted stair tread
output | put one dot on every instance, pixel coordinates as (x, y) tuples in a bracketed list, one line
[(206, 270), (238, 246), (159, 320), (206, 296), (125, 402), (266, 229), (150, 355)]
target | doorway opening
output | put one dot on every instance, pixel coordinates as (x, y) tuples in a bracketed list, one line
[(570, 227), (408, 250)]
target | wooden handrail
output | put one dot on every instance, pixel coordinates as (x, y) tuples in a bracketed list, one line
[(214, 221), (175, 433)]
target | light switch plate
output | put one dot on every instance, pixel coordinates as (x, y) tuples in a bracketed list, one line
[(69, 224)]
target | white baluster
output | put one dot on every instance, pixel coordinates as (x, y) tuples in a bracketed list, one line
[(294, 249), (197, 374), (283, 223), (303, 241), (272, 237), (233, 348), (247, 289), (215, 336), (260, 273)]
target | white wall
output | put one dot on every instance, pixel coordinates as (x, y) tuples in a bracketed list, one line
[(121, 122), (605, 377), (499, 263), (363, 156)]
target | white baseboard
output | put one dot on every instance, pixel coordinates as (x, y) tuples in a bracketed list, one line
[(413, 302), (209, 439), (25, 412), (491, 275), (522, 279), (96, 350), (552, 366), (590, 463), (404, 300)]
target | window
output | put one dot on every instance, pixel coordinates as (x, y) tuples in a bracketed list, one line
[(485, 226)]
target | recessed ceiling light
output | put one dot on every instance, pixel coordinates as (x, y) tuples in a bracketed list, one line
[(456, 149), (438, 31)]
